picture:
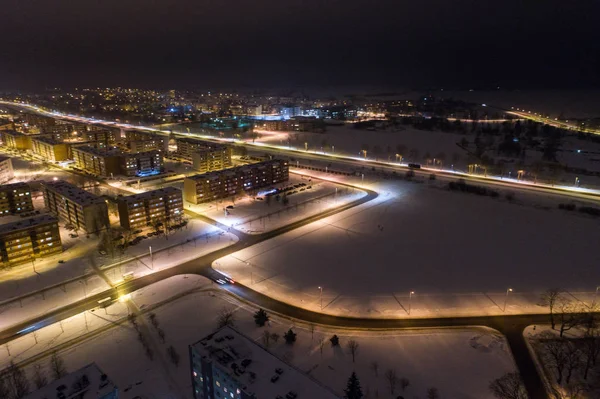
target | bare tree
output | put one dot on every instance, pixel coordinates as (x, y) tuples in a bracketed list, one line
[(57, 365), (509, 386), (4, 387), (404, 383), (549, 299), (226, 317), (554, 354), (321, 344), (570, 315), (571, 391), (266, 338), (433, 393), (392, 379), (572, 358), (275, 337), (173, 355), (311, 328), (590, 349), (39, 377), (18, 380), (352, 346), (375, 367)]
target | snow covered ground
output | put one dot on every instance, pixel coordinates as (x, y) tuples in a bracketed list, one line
[(460, 363), (177, 249), (458, 252), (256, 217)]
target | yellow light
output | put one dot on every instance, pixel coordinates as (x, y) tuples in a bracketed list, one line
[(124, 298)]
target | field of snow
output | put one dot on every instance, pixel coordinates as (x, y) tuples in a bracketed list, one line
[(460, 363), (458, 252)]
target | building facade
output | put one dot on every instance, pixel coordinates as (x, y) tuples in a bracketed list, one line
[(76, 207), (164, 205), (16, 140), (15, 199), (214, 185), (99, 162), (28, 239), (186, 147), (212, 158), (50, 149), (7, 172), (142, 163)]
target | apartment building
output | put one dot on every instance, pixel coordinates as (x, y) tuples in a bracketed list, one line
[(186, 147), (49, 149), (6, 170), (28, 239), (228, 364), (142, 163), (151, 143), (15, 199), (16, 140), (101, 162), (164, 205), (212, 158), (213, 185), (75, 206)]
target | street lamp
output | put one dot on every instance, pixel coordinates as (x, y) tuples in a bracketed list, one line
[(410, 300), (506, 298), (83, 283), (321, 296), (596, 294), (151, 256)]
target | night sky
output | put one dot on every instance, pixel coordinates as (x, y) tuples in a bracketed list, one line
[(300, 43)]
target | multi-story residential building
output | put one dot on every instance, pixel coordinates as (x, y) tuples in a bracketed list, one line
[(76, 207), (228, 182), (24, 240), (49, 149), (101, 162), (16, 140), (164, 205), (107, 137), (150, 143), (212, 158), (142, 163), (6, 170), (229, 365), (89, 382), (15, 199), (186, 147)]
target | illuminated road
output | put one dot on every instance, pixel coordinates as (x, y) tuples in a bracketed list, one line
[(511, 326)]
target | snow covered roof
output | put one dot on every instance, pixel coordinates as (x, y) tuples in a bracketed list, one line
[(88, 382), (228, 346)]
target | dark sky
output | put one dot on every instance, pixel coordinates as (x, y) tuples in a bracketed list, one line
[(292, 43)]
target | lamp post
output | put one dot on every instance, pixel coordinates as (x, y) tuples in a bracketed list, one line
[(596, 294), (151, 256), (321, 296), (506, 298), (410, 301), (84, 312)]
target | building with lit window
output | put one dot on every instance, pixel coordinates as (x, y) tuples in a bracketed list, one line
[(15, 199), (75, 206), (213, 185), (16, 140), (149, 142), (7, 172), (186, 147), (25, 240), (164, 205), (88, 382), (142, 163), (229, 365), (212, 158), (101, 162), (49, 149)]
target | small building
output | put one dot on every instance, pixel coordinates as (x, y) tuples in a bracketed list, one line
[(15, 198), (88, 382), (214, 185), (164, 205), (7, 172), (75, 206), (229, 365), (28, 239), (50, 149)]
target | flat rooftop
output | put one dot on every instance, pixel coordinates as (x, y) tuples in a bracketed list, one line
[(73, 193), (228, 346), (98, 152), (27, 223), (150, 194), (87, 382), (46, 139), (232, 171), (14, 186)]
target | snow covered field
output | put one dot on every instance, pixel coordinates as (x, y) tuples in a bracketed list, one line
[(458, 252), (460, 363)]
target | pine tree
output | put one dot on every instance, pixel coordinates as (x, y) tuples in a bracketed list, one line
[(261, 318), (353, 390)]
